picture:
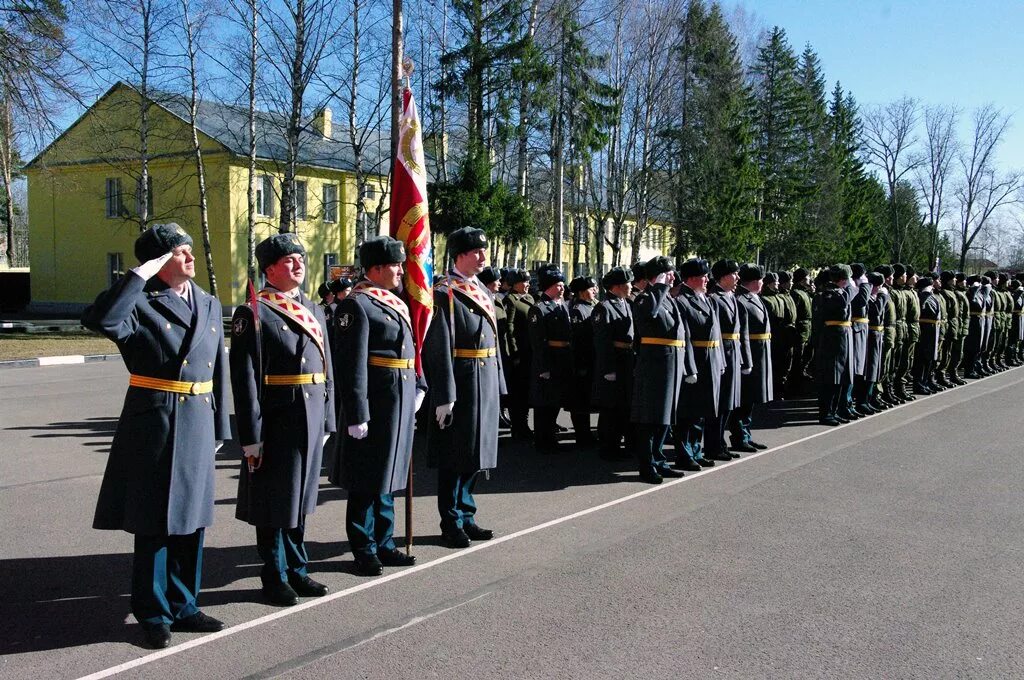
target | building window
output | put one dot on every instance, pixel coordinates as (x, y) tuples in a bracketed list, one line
[(149, 196), (330, 203), (115, 207), (368, 193), (265, 195), (300, 200), (330, 259), (115, 268)]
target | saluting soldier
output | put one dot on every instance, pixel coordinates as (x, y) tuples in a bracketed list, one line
[(663, 360), (876, 309), (375, 373), (584, 299), (736, 351), (835, 363), (614, 363), (283, 384), (927, 350), (698, 399), (552, 369), (517, 305), (462, 366), (757, 384), (803, 296), (159, 480)]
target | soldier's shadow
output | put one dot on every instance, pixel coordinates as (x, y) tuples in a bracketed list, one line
[(101, 427)]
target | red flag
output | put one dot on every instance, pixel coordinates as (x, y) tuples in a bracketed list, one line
[(410, 223)]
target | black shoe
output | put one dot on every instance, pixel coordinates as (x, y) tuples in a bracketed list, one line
[(744, 447), (477, 533), (280, 593), (157, 636), (304, 586), (669, 472), (831, 422), (759, 447), (720, 457), (956, 380), (848, 414), (390, 557), (561, 429), (973, 375), (503, 421), (842, 420), (651, 476), (369, 565), (197, 623), (455, 538), (731, 454), (866, 410), (687, 465), (705, 462)]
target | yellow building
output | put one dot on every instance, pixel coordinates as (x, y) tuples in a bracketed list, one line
[(84, 211)]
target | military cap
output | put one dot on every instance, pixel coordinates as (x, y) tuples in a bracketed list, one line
[(657, 265), (771, 277), (581, 283), (638, 270), (785, 277), (884, 269), (898, 270), (947, 276), (960, 276), (504, 273), (800, 274), (910, 270), (269, 251), (857, 270), (724, 268), (839, 272), (821, 278), (694, 267), (986, 281), (972, 279), (323, 290), (617, 276), (160, 239), (991, 273), (549, 276), (515, 276), (1019, 276), (876, 278), (924, 282), (466, 239), (1003, 277), (751, 272), (489, 275), (381, 250), (338, 285), (1015, 284)]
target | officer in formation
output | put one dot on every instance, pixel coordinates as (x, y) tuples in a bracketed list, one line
[(614, 364), (757, 386), (735, 352), (802, 293), (877, 305), (782, 314), (159, 480), (493, 279), (931, 321), (551, 371), (517, 303), (282, 380), (581, 309), (834, 355)]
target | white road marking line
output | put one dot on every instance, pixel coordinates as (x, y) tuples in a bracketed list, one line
[(59, 361), (309, 604)]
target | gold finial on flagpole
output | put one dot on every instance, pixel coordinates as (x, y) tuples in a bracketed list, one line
[(407, 69)]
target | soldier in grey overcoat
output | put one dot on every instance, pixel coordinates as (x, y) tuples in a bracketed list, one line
[(664, 359), (517, 304), (379, 391), (462, 367), (159, 479), (876, 310), (283, 384), (736, 351), (581, 308), (614, 363), (551, 371), (859, 326), (698, 399), (835, 339), (757, 387)]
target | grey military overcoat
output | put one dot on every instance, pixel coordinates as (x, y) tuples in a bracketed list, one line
[(613, 353), (660, 369), (757, 386), (701, 318)]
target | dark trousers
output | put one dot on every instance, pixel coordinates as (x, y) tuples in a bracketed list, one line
[(690, 436), (283, 552), (612, 427), (455, 502), (740, 420), (782, 364), (801, 356), (581, 426), (714, 434), (545, 426), (956, 357), (518, 413), (166, 574), (650, 446), (829, 398), (370, 522)]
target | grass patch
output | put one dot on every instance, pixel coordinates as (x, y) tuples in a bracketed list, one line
[(27, 346)]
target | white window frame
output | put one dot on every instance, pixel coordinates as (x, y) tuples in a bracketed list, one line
[(301, 192), (264, 195), (113, 199), (330, 203)]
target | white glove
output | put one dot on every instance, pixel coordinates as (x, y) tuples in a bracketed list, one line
[(358, 431), (545, 375), (747, 371), (419, 399), (610, 377), (253, 450), (442, 413), (148, 269), (690, 379)]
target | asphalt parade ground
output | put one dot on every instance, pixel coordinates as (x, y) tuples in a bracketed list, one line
[(892, 547)]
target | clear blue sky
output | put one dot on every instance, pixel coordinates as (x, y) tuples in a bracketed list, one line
[(963, 52)]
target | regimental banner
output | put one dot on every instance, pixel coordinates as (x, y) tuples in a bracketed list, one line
[(410, 222)]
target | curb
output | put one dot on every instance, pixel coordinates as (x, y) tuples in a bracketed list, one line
[(59, 360)]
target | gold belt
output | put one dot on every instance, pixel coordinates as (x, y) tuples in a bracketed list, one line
[(622, 345), (176, 386), (558, 343), (877, 329), (861, 319), (706, 344), (760, 336), (300, 379), (388, 362), (838, 323), (731, 336), (476, 353), (934, 322), (667, 342)]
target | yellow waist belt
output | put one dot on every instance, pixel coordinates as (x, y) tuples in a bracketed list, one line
[(861, 319), (622, 345), (176, 386), (666, 342), (388, 362), (706, 344), (731, 336), (931, 321), (300, 379), (760, 336), (838, 323), (558, 343), (877, 329), (476, 353)]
